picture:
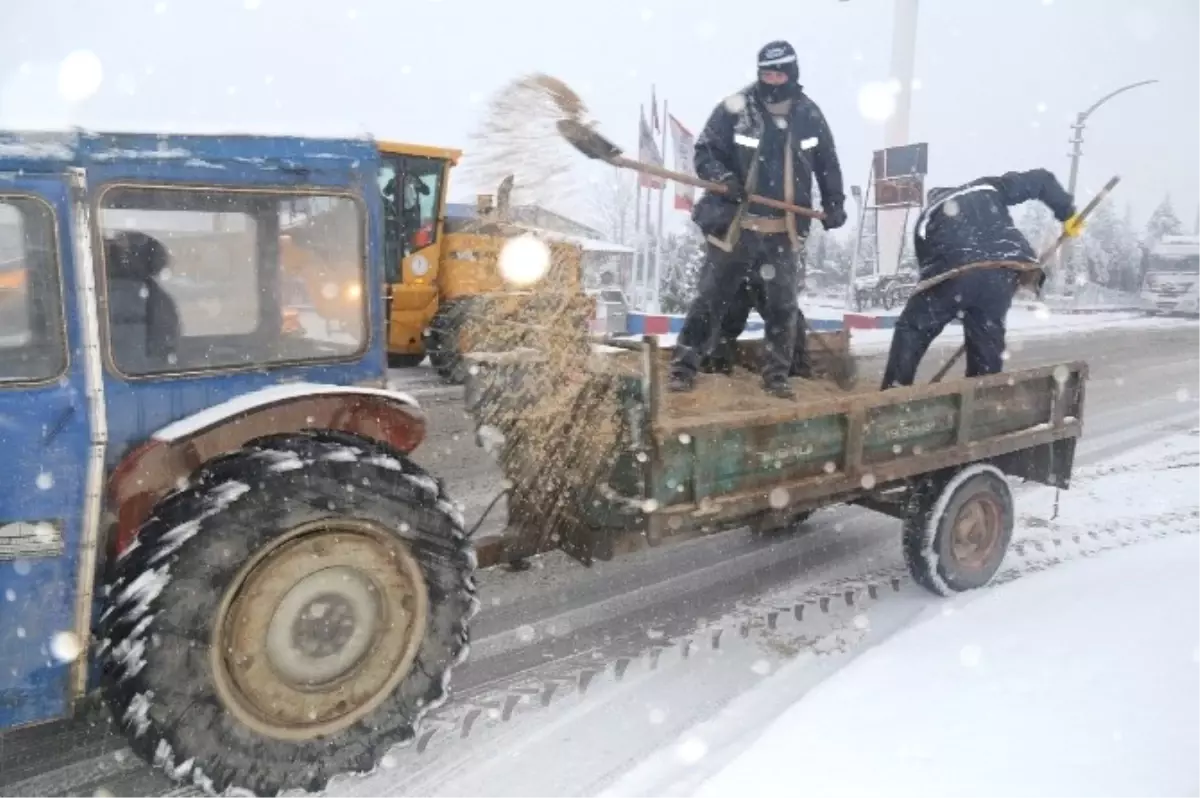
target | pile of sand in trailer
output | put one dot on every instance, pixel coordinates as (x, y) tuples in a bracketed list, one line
[(563, 426)]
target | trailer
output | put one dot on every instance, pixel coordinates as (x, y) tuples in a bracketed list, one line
[(938, 457)]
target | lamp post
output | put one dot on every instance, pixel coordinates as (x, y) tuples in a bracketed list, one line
[(1077, 151)]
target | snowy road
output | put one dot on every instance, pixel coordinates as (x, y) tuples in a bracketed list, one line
[(665, 638)]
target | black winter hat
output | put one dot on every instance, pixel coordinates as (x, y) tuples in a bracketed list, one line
[(780, 56)]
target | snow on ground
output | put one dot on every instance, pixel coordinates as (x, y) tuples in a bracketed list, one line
[(1072, 675), (1023, 324)]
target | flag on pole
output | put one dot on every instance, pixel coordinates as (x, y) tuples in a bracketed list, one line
[(654, 123), (685, 152), (648, 153)]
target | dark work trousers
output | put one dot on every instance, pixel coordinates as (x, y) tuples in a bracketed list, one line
[(981, 299), (762, 263), (724, 349)]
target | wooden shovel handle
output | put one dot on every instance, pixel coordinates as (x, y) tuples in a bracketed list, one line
[(708, 185)]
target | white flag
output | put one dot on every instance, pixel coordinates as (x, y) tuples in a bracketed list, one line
[(685, 153), (648, 153)]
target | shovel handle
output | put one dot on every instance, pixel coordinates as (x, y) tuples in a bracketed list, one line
[(708, 185)]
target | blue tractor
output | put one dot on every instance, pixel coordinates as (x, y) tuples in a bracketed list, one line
[(208, 511)]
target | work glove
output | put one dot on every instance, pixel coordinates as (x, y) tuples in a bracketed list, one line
[(835, 217), (735, 192), (1073, 227)]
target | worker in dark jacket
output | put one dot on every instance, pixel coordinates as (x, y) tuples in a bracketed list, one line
[(971, 225), (768, 139)]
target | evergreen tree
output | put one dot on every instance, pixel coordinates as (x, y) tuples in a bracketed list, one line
[(1163, 222)]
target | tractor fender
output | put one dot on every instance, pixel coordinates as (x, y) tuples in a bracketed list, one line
[(165, 461)]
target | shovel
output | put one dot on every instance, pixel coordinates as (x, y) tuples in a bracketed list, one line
[(597, 147), (1041, 262)]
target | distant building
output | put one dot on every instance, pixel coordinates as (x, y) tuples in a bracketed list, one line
[(605, 265)]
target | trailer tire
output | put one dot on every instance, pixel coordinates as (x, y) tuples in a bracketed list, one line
[(369, 573), (957, 530)]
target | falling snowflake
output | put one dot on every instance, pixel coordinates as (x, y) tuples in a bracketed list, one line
[(861, 621), (657, 716), (779, 498), (684, 438), (45, 480), (10, 595), (1181, 395), (761, 667), (970, 655), (868, 481), (691, 750), (877, 100), (79, 76), (526, 634), (767, 271), (65, 646)]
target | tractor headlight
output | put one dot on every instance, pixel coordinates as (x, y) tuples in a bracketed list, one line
[(353, 292)]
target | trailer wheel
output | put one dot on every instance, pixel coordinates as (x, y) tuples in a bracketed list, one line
[(958, 530), (289, 615)]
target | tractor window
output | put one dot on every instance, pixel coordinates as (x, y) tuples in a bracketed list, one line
[(210, 279), (32, 345), (411, 213)]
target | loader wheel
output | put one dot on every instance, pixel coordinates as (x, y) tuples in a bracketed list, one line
[(958, 530), (443, 340), (289, 615)]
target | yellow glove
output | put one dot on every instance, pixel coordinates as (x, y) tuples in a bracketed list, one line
[(1073, 227)]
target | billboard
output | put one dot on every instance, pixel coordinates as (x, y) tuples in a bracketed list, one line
[(899, 176)]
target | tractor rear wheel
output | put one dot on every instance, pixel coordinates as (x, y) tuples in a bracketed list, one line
[(288, 615)]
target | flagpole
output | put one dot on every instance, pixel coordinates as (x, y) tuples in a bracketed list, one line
[(658, 239), (636, 287)]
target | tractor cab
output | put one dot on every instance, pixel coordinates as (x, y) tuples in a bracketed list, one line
[(208, 513)]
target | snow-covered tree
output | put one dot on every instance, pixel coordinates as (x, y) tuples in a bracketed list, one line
[(613, 201), (1037, 224), (683, 255), (1111, 251), (1163, 222)]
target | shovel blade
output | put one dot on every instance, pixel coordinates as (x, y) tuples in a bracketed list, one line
[(587, 140)]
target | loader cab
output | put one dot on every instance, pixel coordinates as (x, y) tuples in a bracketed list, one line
[(412, 187), (141, 286)]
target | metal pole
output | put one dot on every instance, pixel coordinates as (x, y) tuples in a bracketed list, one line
[(862, 218), (890, 222), (656, 306), (1067, 254)]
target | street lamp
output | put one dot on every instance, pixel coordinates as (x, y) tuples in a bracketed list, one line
[(1081, 121), (1077, 151)]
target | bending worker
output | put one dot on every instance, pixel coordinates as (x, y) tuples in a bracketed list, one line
[(971, 226), (770, 139)]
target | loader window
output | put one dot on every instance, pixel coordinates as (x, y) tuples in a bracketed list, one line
[(211, 279), (410, 213), (32, 344)]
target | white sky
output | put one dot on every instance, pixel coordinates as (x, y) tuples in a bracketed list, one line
[(1000, 80)]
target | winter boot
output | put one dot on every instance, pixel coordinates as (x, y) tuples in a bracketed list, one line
[(681, 382), (779, 387)]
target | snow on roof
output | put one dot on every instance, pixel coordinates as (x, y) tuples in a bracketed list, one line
[(586, 244)]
